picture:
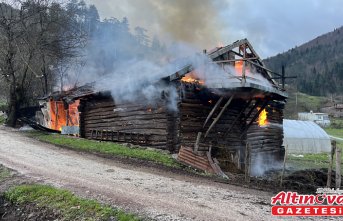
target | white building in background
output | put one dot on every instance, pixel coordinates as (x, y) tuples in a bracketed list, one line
[(321, 119), (301, 137)]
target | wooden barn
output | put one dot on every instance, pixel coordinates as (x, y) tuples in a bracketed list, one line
[(214, 124)]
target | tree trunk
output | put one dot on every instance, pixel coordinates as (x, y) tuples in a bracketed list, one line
[(13, 108)]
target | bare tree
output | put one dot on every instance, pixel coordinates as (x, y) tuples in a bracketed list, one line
[(35, 35)]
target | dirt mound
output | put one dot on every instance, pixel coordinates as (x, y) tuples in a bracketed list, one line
[(307, 181), (28, 212)]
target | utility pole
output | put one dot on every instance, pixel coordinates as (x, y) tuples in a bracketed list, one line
[(283, 76)]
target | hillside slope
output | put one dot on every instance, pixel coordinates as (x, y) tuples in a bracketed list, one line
[(317, 63)]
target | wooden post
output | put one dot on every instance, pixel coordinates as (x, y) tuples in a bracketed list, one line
[(56, 116), (247, 163), (219, 115), (338, 167), (333, 149), (213, 110), (283, 167), (196, 146), (243, 68), (239, 166)]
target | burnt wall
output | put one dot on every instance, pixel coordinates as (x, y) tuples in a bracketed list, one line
[(137, 123), (225, 137), (266, 141)]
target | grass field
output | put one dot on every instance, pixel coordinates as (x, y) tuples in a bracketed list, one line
[(67, 204), (334, 132), (108, 148)]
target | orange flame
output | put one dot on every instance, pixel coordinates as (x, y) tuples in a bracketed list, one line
[(73, 113), (60, 117), (262, 119), (239, 67), (192, 78)]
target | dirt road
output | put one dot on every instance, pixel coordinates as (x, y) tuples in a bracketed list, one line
[(152, 193)]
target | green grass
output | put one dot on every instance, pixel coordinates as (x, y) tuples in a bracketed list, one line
[(2, 120), (3, 105), (310, 102), (306, 103), (109, 148), (67, 204), (309, 161), (334, 132), (4, 173)]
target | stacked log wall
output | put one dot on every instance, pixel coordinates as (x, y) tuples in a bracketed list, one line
[(125, 122), (266, 141)]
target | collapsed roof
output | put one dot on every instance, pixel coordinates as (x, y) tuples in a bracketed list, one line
[(255, 77), (258, 80)]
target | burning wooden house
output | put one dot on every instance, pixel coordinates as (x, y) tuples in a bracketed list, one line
[(213, 123)]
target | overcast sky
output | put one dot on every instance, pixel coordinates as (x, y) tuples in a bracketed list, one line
[(272, 26)]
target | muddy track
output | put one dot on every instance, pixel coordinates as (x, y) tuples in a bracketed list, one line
[(152, 192)]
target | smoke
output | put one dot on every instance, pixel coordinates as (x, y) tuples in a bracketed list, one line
[(131, 80), (195, 22), (264, 162)]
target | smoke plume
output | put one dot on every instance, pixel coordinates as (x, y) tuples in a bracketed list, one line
[(196, 22)]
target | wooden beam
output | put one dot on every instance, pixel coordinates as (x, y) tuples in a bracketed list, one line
[(255, 117), (247, 161), (338, 167), (196, 146), (260, 66), (333, 149), (238, 116), (219, 115), (179, 74), (252, 109), (244, 63), (284, 166), (213, 110), (232, 60), (227, 48)]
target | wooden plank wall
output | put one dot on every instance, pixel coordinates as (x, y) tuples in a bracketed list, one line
[(194, 109), (131, 120)]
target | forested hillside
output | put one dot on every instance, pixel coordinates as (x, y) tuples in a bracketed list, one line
[(44, 43), (317, 63)]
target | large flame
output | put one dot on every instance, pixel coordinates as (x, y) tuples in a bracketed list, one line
[(192, 78), (73, 114), (239, 67), (262, 119), (60, 117)]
